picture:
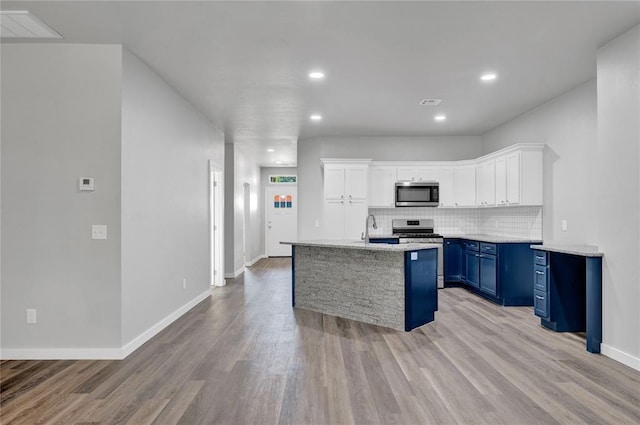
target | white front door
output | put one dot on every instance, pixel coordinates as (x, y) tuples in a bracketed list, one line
[(281, 205)]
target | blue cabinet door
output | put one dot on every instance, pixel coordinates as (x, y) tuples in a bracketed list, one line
[(452, 260), (488, 274), (472, 260)]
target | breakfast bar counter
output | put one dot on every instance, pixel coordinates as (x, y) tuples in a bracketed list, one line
[(394, 286)]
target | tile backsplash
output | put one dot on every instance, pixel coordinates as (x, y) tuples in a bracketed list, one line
[(524, 222)]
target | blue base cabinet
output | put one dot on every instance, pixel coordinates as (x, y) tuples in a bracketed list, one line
[(500, 272), (568, 294), (452, 260), (472, 263), (421, 287), (560, 304)]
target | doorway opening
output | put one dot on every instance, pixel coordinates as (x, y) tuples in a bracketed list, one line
[(215, 225)]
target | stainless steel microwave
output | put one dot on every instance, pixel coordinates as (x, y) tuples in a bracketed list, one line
[(417, 194)]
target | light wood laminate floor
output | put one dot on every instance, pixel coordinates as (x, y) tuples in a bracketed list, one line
[(244, 356)]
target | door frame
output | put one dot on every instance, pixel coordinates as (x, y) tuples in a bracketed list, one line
[(267, 200), (216, 225)]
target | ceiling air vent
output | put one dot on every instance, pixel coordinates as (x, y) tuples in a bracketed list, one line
[(22, 24), (430, 102)]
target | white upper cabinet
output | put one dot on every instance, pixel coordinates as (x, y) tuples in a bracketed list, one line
[(406, 173), (334, 182), (519, 178), (346, 186), (345, 181), (356, 182), (486, 184), (464, 186), (446, 187), (382, 180), (501, 180), (513, 188)]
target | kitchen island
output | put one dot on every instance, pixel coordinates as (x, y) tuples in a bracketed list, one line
[(387, 285)]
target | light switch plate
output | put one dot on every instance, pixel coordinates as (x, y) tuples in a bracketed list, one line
[(414, 256), (99, 231), (31, 316), (564, 225)]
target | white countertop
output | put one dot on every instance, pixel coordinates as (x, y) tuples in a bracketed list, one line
[(355, 244), (480, 237), (582, 250)]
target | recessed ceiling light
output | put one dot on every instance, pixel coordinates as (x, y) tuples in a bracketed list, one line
[(270, 150), (488, 77), (316, 75), (315, 117), (440, 117), (278, 162)]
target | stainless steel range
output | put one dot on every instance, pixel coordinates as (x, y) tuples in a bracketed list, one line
[(420, 231)]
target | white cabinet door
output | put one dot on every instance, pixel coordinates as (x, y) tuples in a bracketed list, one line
[(334, 211), (486, 184), (356, 179), (428, 174), (513, 178), (334, 178), (405, 173), (355, 213), (501, 181), (446, 187), (464, 186), (382, 186)]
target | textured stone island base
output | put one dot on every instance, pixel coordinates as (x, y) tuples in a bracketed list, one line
[(356, 284)]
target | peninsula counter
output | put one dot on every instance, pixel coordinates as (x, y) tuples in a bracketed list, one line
[(387, 285)]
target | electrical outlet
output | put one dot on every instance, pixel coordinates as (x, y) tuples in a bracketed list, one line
[(99, 231), (564, 225), (184, 283), (31, 316)]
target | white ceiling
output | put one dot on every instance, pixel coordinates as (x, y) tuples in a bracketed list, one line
[(245, 64)]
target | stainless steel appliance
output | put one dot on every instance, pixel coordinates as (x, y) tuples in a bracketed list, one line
[(420, 231), (417, 194)]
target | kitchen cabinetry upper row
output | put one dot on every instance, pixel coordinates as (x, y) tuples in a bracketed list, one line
[(513, 176)]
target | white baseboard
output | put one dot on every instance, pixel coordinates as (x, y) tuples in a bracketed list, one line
[(61, 354), (234, 274), (158, 327), (255, 260), (620, 356), (101, 353)]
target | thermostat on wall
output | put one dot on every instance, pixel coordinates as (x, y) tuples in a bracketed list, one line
[(86, 183)]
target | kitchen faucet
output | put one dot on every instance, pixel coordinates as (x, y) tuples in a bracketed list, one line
[(366, 227)]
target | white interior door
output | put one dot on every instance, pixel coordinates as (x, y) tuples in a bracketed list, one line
[(281, 206)]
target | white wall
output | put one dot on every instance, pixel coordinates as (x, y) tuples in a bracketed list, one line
[(246, 170), (567, 124), (618, 189), (230, 214), (60, 121), (310, 180), (166, 148)]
